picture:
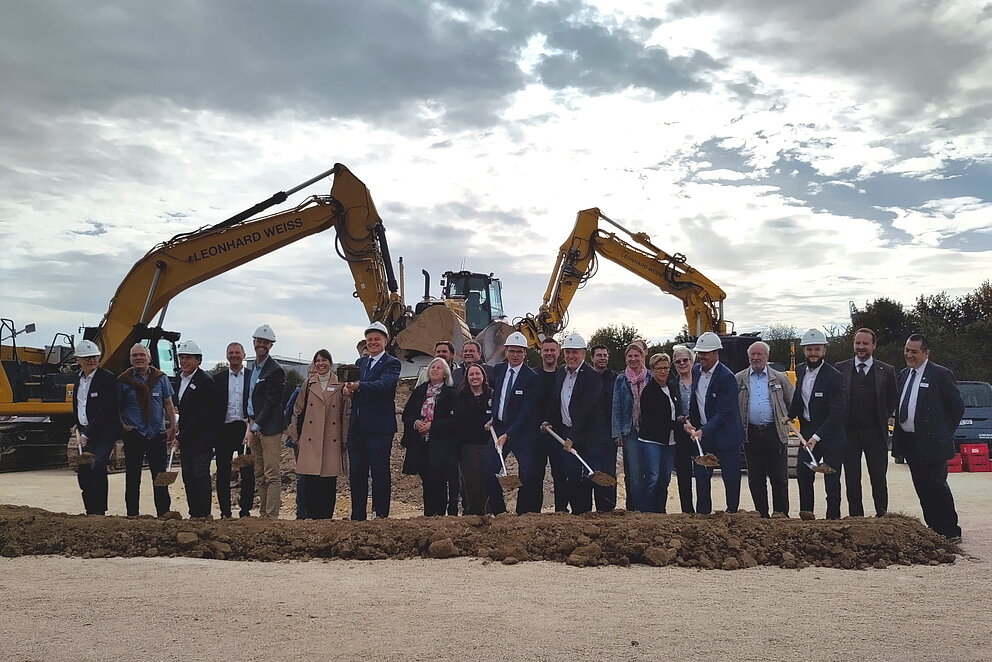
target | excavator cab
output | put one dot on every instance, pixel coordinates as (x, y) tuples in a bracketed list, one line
[(482, 295)]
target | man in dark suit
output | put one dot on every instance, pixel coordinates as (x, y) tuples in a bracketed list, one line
[(515, 424), (819, 405), (929, 410), (231, 389), (372, 425), (603, 456), (715, 421), (197, 426), (871, 399), (575, 413), (471, 353), (266, 421), (95, 406)]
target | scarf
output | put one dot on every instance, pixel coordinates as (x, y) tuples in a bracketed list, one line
[(141, 390), (427, 410), (637, 384)]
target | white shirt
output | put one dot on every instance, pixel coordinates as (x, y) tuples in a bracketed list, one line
[(510, 377), (910, 424), (807, 388), (235, 396), (701, 389), (184, 381), (567, 386), (82, 394)]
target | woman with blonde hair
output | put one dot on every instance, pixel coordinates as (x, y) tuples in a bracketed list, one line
[(680, 381), (627, 413), (318, 428), (655, 446)]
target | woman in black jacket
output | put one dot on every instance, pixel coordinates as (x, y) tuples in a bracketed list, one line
[(474, 440), (429, 435), (656, 436)]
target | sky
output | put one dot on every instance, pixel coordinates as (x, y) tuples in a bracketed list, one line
[(800, 155)]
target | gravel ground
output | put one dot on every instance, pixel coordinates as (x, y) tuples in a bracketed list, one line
[(57, 608)]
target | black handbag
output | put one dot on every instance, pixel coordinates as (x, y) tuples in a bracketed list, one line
[(303, 413)]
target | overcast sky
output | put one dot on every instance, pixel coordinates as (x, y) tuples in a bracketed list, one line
[(800, 154)]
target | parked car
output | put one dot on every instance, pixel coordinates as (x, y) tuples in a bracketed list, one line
[(976, 424)]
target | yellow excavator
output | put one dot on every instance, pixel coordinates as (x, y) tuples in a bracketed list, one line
[(35, 382), (702, 299)]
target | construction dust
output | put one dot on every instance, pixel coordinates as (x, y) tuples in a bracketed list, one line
[(719, 541)]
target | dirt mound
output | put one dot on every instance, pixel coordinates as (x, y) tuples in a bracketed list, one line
[(719, 541)]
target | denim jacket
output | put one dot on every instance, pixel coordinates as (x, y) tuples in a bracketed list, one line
[(623, 407)]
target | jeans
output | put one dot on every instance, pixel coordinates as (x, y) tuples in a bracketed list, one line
[(136, 448), (650, 471)]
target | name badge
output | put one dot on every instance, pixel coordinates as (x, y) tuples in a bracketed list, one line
[(818, 395), (924, 385), (777, 387), (518, 392), (489, 411), (331, 389), (192, 386), (156, 394), (93, 394), (712, 395)]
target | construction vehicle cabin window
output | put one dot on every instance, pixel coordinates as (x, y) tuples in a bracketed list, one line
[(166, 361)]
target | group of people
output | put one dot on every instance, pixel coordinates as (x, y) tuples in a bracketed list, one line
[(462, 421)]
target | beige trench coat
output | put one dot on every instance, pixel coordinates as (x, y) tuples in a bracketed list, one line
[(321, 442)]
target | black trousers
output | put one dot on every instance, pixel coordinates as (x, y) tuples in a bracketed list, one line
[(321, 493), (871, 443), (767, 462), (683, 472), (936, 500), (229, 442), (92, 477), (196, 478), (472, 463), (436, 477), (549, 450), (832, 456), (136, 448)]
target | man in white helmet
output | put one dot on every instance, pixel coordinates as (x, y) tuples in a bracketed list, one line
[(95, 406), (266, 421), (715, 421), (819, 405), (197, 407), (515, 423), (576, 413), (372, 425)]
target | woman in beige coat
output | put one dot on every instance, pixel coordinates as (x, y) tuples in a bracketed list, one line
[(318, 427)]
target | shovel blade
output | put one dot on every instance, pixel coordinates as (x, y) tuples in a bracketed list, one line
[(165, 478)]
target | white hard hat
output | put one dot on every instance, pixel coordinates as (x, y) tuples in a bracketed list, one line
[(86, 348), (813, 337), (574, 341), (377, 326), (189, 347), (265, 332), (708, 342), (515, 339)]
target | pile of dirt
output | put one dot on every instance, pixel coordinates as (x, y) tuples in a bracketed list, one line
[(718, 541)]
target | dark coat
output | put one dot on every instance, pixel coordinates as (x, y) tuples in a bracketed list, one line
[(657, 423), (267, 398), (585, 408), (442, 441), (939, 408), (102, 407), (221, 380), (373, 405), (473, 414), (520, 415), (827, 411), (886, 392), (724, 429), (197, 413)]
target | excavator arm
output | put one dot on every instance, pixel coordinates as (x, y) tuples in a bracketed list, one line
[(191, 258), (701, 298)]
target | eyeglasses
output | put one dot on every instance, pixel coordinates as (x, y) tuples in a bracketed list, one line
[(681, 360)]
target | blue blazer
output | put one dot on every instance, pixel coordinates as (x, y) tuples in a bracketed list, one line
[(724, 429), (373, 406), (521, 414), (102, 407)]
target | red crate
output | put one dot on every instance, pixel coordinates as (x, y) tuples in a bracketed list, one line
[(977, 466), (955, 461), (974, 450), (954, 468)]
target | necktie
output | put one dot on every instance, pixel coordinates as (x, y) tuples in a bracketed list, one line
[(904, 407), (861, 369), (510, 376)]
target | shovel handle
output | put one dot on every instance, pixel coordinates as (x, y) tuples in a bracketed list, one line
[(805, 444), (554, 434), (168, 465), (499, 451), (579, 458)]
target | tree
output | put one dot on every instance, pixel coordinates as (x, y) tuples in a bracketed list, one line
[(780, 332), (615, 338), (219, 367), (293, 379)]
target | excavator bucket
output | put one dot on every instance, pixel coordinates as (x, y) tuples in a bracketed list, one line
[(492, 338), (431, 325)]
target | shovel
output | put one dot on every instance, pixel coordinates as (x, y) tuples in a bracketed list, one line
[(599, 477), (80, 457), (506, 481), (816, 465), (242, 460), (708, 460), (167, 477)]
